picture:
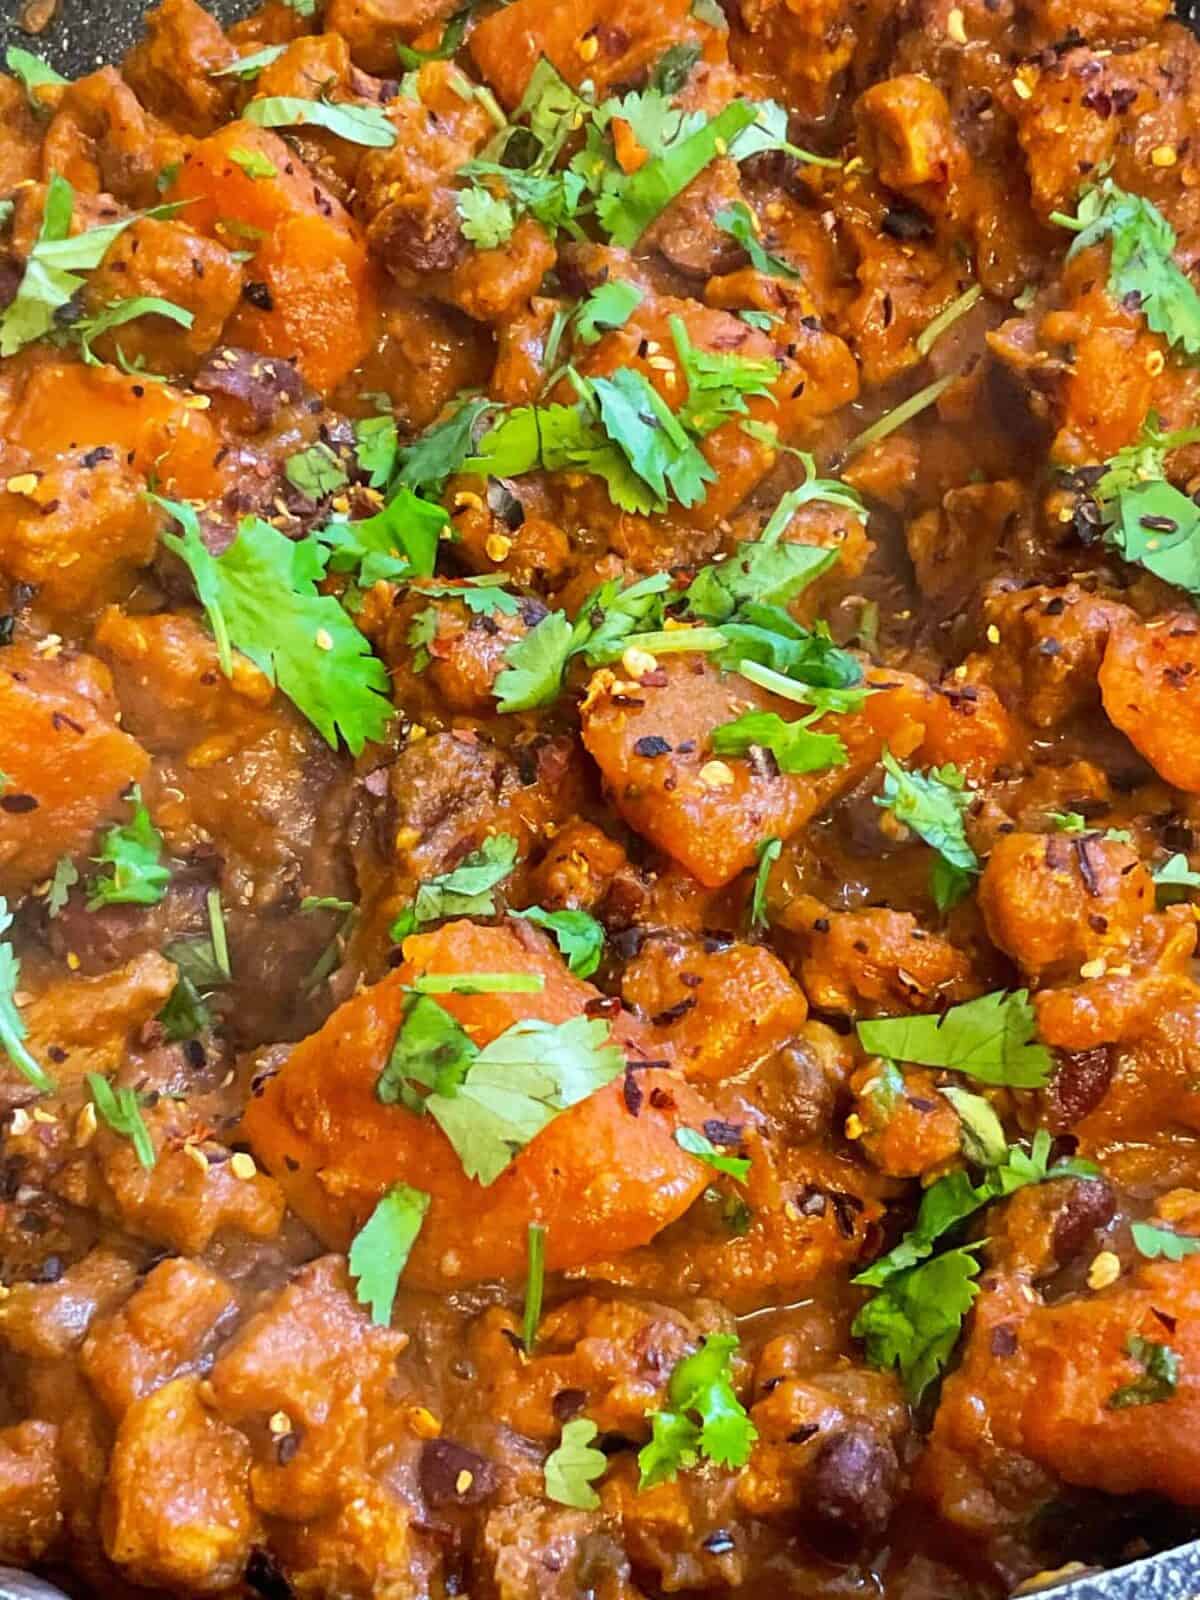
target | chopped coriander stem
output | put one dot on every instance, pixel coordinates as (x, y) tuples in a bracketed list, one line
[(485, 98), (810, 158), (670, 641), (930, 334), (775, 682), (1065, 221), (220, 941), (480, 983), (535, 1283), (904, 412)]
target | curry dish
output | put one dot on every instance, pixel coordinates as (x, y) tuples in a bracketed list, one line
[(599, 787)]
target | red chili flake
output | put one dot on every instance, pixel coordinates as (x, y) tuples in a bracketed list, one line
[(633, 1093), (652, 744)]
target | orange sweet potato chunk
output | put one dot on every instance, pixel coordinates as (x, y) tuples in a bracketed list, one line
[(316, 300), (65, 407), (712, 822), (1150, 683), (66, 761), (605, 1179)]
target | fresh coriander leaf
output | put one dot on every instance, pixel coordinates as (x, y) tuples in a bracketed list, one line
[(120, 1109), (51, 278), (719, 382), (1142, 270), (483, 596), (442, 449), (486, 219), (116, 316), (580, 938), (1160, 1366), (574, 1466), (261, 595), (12, 1028), (824, 700), (535, 1283), (701, 1146), (382, 1246), (763, 321), (66, 876), (1157, 1243), (356, 123), (248, 67), (33, 72), (653, 440), (954, 1198), (315, 472), (447, 47), (216, 929), (703, 1416), (253, 163), (134, 852), (401, 541), (518, 1084), (377, 449), (932, 804), (560, 438), (993, 1039), (740, 223), (794, 745), (982, 1135), (464, 891), (185, 1015), (205, 962), (534, 665), (1175, 879), (609, 306), (914, 1323), (302, 8), (550, 197), (431, 1050), (674, 67), (1069, 821), (629, 204), (768, 132)]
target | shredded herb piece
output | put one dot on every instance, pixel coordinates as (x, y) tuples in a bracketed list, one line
[(120, 1109), (740, 223), (12, 1028), (993, 1039), (703, 1417), (535, 1283), (125, 311), (1157, 1243), (574, 1466), (933, 331), (133, 851), (769, 851), (382, 1246), (932, 804), (464, 891), (701, 1146), (357, 124), (578, 935), (1160, 1366), (261, 596)]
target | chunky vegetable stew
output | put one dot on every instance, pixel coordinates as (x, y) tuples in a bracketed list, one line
[(599, 800)]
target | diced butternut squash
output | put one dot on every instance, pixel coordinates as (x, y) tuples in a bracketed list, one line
[(708, 815), (602, 1175), (310, 294), (66, 762), (65, 407), (1150, 683)]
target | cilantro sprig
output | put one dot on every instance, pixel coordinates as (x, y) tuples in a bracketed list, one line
[(992, 1039), (119, 1108), (703, 1417), (1142, 269), (261, 596), (464, 891), (914, 1319), (52, 278), (491, 1102), (1161, 1367), (382, 1246), (133, 852), (933, 804), (355, 122), (1144, 517)]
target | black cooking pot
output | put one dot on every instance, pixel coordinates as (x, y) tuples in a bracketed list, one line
[(89, 32)]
